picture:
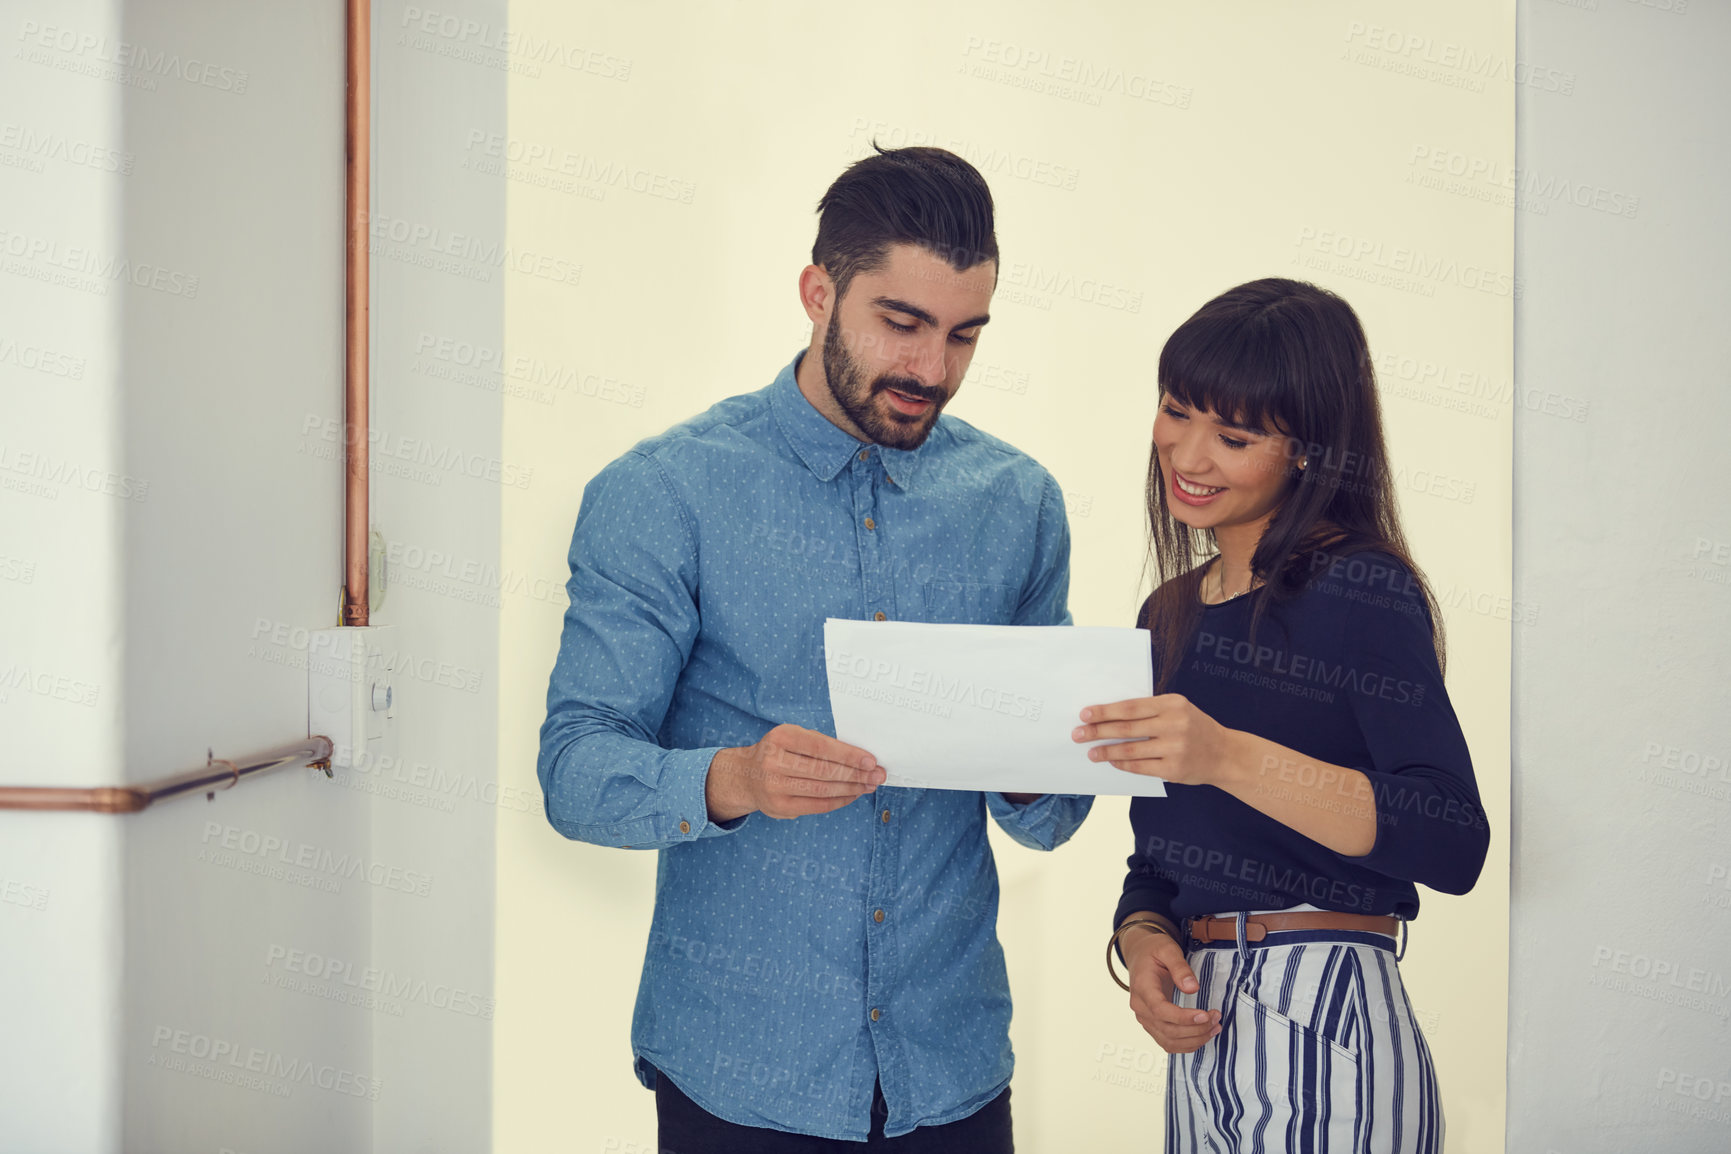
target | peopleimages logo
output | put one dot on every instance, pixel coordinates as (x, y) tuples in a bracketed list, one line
[(158, 63), (1528, 188), (443, 250), (1668, 971), (1214, 863), (39, 358), (17, 893), (54, 472), (37, 146), (716, 964), (890, 681), (382, 774), (868, 133), (1046, 283), (1468, 391), (557, 161), (435, 460), (1398, 266), (1067, 77), (300, 647), (339, 980), (222, 1060), (83, 268), (252, 852), (44, 683), (1706, 1096), (531, 377), (521, 48), (1446, 61), (1302, 668)]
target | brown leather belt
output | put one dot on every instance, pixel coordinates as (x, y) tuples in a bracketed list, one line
[(1205, 930)]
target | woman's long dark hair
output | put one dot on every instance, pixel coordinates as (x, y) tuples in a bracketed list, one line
[(1289, 357)]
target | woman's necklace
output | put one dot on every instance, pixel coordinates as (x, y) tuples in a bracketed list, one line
[(1220, 583)]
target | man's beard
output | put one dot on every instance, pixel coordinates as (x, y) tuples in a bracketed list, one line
[(856, 396)]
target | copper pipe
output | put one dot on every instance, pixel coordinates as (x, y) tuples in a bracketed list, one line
[(357, 177), (215, 774)]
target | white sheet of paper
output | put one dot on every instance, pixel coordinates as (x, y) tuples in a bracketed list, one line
[(986, 707)]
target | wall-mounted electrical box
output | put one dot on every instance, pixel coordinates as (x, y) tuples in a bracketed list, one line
[(351, 692)]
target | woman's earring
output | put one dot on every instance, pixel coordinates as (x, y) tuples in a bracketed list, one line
[(1302, 462)]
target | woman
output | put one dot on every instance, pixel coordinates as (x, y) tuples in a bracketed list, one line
[(1316, 769)]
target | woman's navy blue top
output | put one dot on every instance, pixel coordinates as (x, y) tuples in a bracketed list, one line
[(1344, 672)]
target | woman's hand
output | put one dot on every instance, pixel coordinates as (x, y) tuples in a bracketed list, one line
[(1170, 738), (1157, 965)]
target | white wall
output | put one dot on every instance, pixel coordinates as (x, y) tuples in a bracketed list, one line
[(174, 609), (60, 573), (225, 566), (234, 556), (439, 276), (1621, 966)]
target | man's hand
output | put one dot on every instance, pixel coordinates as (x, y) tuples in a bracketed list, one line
[(790, 772), (1156, 965)]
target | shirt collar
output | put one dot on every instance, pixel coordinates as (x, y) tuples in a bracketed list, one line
[(823, 447)]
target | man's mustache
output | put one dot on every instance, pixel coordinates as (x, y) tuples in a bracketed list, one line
[(908, 386)]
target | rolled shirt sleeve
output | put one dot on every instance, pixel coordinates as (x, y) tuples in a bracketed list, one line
[(1046, 823)]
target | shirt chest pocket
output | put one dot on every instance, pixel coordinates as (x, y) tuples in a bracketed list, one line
[(968, 603)]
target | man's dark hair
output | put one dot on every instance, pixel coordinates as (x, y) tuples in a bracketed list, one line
[(925, 196)]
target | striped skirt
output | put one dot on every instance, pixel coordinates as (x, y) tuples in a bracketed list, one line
[(1318, 1051)]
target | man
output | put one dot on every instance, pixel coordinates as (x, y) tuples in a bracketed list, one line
[(817, 969)]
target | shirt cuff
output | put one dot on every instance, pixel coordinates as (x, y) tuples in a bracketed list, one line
[(1042, 823), (1151, 900), (684, 800)]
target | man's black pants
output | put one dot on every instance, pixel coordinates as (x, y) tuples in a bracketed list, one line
[(687, 1128)]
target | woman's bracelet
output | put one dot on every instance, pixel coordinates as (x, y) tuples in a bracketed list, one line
[(1112, 944)]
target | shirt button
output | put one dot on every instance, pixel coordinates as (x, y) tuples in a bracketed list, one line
[(886, 817), (865, 454), (684, 827), (877, 915), (871, 524), (875, 1013), (878, 616)]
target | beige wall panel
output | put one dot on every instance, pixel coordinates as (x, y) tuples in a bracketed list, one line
[(1144, 157)]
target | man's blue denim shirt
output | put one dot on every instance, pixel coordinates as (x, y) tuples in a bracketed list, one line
[(793, 964)]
